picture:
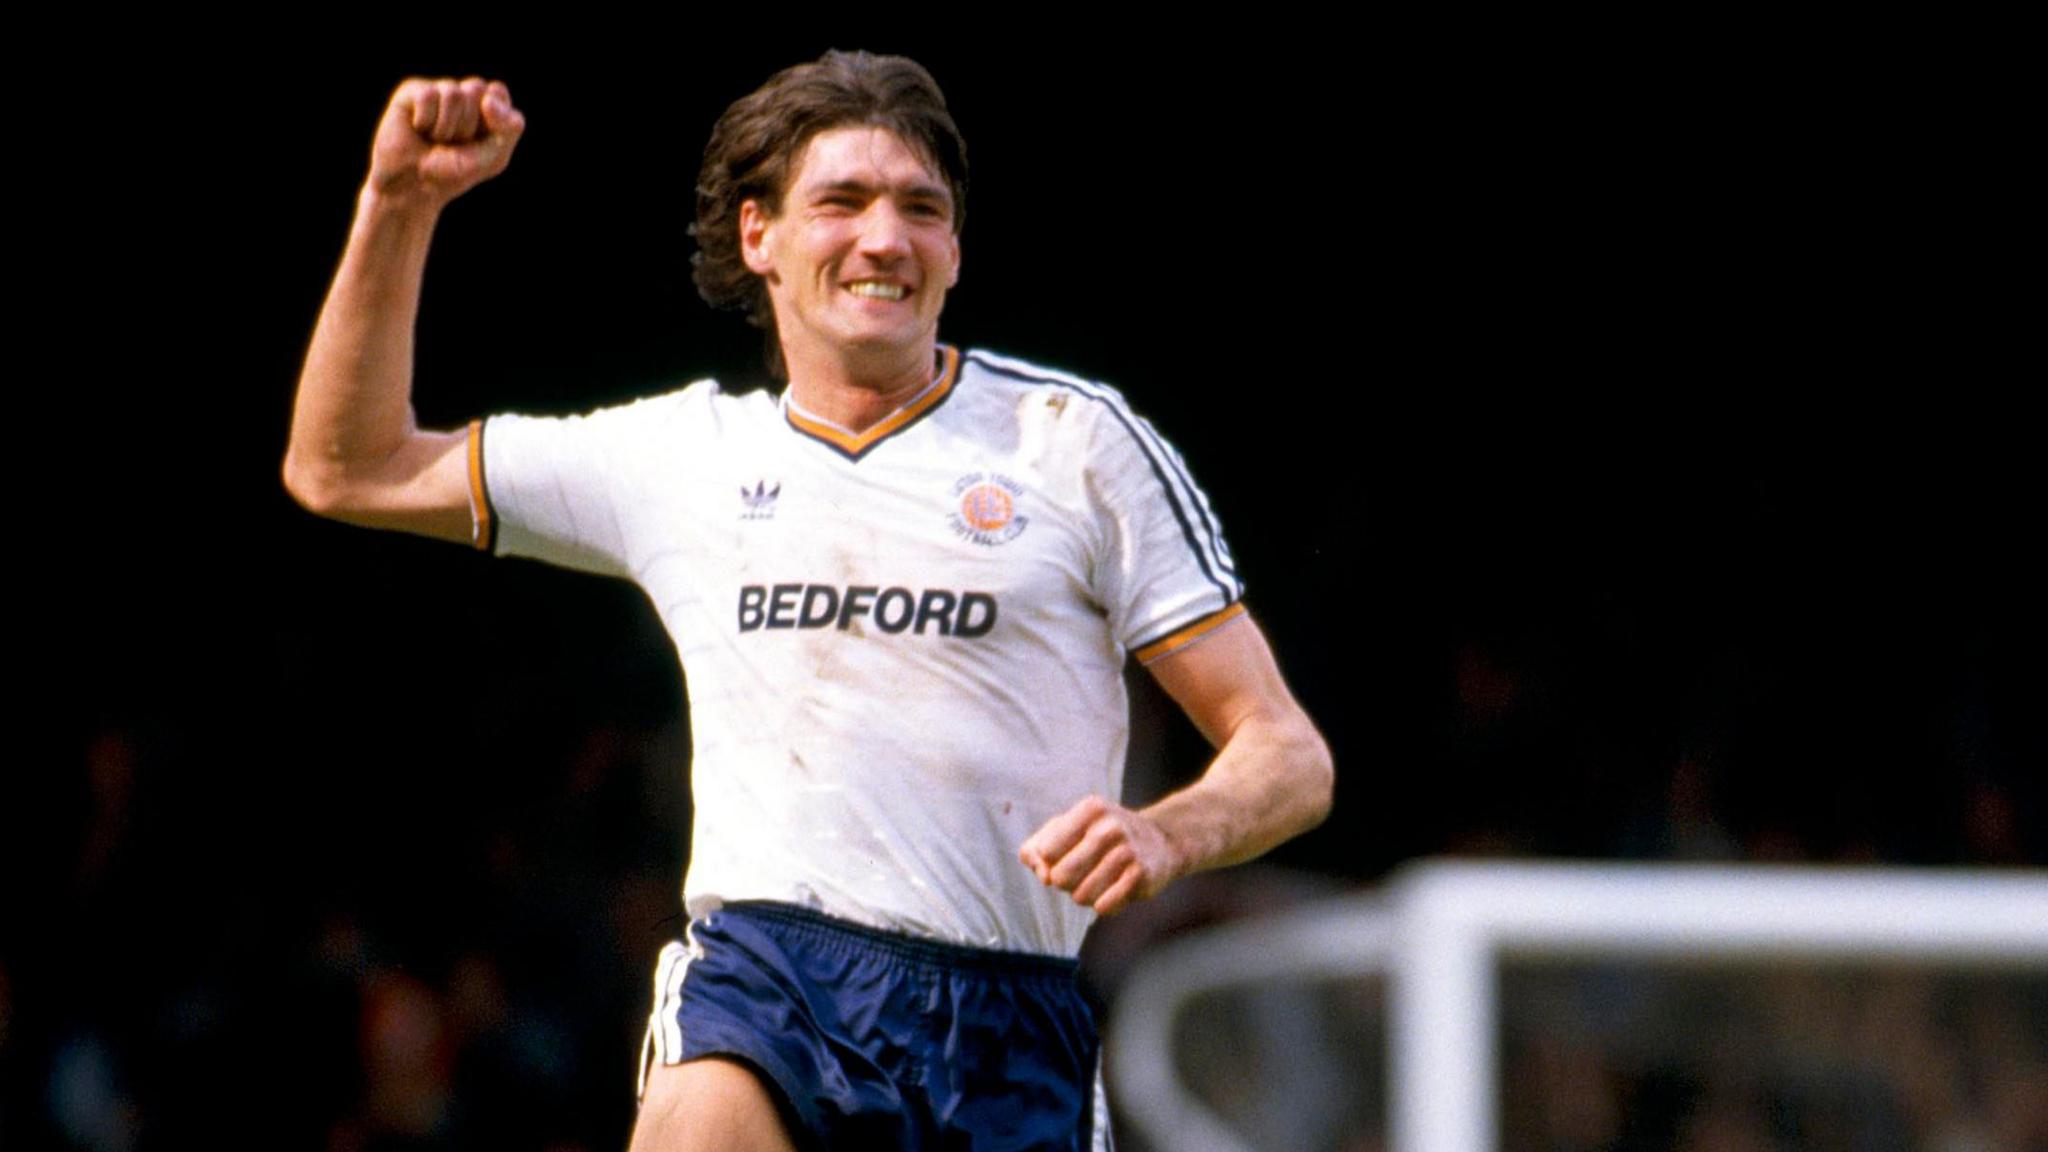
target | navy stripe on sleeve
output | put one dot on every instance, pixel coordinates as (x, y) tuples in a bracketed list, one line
[(1166, 466)]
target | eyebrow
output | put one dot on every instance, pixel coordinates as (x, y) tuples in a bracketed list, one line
[(918, 191)]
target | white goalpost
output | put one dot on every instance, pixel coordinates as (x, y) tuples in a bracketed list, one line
[(1442, 929)]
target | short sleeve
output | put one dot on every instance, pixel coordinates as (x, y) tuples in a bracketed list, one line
[(1165, 575), (561, 488)]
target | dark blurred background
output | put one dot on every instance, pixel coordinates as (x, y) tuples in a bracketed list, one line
[(1614, 428)]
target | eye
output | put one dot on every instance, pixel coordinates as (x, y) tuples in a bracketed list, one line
[(838, 202)]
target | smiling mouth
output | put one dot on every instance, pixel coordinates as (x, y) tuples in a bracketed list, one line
[(876, 290)]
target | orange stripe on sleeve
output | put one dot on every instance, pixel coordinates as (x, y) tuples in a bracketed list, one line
[(481, 529), (1189, 634)]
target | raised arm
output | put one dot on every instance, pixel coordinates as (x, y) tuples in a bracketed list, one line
[(356, 452), (1271, 781)]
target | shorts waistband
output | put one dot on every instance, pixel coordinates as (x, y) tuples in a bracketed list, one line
[(819, 929)]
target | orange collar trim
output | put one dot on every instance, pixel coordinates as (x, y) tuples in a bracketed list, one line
[(855, 445)]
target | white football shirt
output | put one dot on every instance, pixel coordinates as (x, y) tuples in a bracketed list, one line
[(903, 648)]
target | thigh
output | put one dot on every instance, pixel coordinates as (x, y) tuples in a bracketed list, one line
[(708, 1105)]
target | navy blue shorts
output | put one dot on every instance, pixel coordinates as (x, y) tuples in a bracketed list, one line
[(875, 1040)]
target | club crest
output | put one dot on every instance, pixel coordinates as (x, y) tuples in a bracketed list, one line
[(985, 509)]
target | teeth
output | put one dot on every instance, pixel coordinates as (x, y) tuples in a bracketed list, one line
[(876, 290)]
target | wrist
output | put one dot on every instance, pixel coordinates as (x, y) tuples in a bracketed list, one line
[(397, 202), (1179, 838)]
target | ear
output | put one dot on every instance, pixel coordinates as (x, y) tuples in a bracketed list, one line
[(754, 225), (953, 277)]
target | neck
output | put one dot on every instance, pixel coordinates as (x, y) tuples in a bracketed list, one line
[(857, 392)]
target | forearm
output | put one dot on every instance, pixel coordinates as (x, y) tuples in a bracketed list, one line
[(354, 410), (1272, 780)]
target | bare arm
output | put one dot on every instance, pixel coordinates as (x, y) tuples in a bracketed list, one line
[(1271, 780), (356, 452)]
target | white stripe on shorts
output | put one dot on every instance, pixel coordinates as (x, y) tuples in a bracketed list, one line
[(1102, 1142), (664, 1041)]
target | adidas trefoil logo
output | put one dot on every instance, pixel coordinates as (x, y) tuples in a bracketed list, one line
[(759, 501)]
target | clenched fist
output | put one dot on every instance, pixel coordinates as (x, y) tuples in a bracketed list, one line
[(1105, 855), (440, 138)]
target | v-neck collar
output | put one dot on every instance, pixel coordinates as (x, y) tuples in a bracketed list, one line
[(854, 445)]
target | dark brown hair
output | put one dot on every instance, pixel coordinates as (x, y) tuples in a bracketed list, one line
[(754, 145)]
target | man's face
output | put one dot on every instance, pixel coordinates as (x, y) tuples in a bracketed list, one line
[(860, 257)]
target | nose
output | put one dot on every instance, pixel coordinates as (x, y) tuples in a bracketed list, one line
[(884, 233)]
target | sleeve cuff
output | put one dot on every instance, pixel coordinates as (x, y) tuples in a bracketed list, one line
[(1187, 634), (483, 523)]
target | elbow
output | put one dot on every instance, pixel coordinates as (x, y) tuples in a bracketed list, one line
[(303, 485), (314, 488), (1300, 773), (1310, 775), (1319, 779)]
